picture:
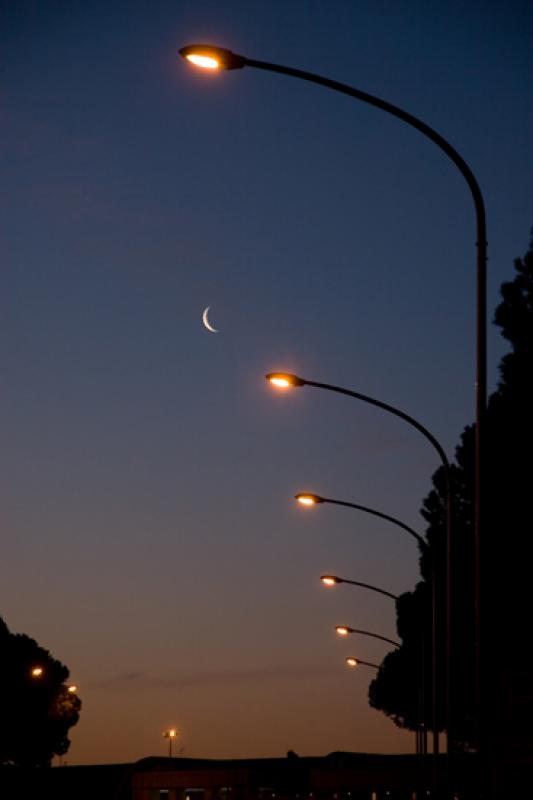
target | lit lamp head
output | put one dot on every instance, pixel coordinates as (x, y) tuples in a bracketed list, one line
[(211, 58), (171, 734), (37, 672), (351, 661), (343, 630), (72, 689), (307, 499), (330, 580), (284, 380)]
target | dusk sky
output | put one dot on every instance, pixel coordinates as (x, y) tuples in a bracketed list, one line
[(149, 536)]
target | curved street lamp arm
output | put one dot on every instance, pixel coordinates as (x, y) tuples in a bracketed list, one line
[(374, 636), (410, 119), (461, 165), (226, 59), (369, 586), (366, 663), (391, 409), (375, 513)]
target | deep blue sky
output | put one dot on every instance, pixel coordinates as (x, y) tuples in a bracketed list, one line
[(149, 539)]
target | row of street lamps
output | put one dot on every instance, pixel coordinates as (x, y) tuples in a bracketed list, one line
[(344, 630), (351, 661), (284, 381), (217, 58), (309, 500)]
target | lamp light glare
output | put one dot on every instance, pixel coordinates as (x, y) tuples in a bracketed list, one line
[(281, 383), (308, 499), (329, 580), (284, 380), (351, 662), (208, 57), (204, 62), (342, 630)]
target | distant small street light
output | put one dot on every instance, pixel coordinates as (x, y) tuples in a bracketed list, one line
[(170, 735)]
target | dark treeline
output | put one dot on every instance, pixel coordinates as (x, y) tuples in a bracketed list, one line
[(37, 711), (507, 545)]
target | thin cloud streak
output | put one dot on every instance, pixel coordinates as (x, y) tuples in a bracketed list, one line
[(225, 677)]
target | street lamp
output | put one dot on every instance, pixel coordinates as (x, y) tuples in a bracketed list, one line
[(332, 580), (37, 672), (222, 58), (345, 630), (309, 500), (355, 662), (211, 58), (170, 735), (286, 380)]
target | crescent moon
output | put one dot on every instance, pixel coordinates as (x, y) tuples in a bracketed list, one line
[(205, 320)]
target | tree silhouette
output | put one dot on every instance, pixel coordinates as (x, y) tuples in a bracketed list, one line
[(36, 710), (507, 550)]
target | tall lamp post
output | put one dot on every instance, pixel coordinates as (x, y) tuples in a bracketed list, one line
[(218, 58)]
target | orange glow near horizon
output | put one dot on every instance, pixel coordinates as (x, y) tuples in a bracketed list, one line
[(202, 61)]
